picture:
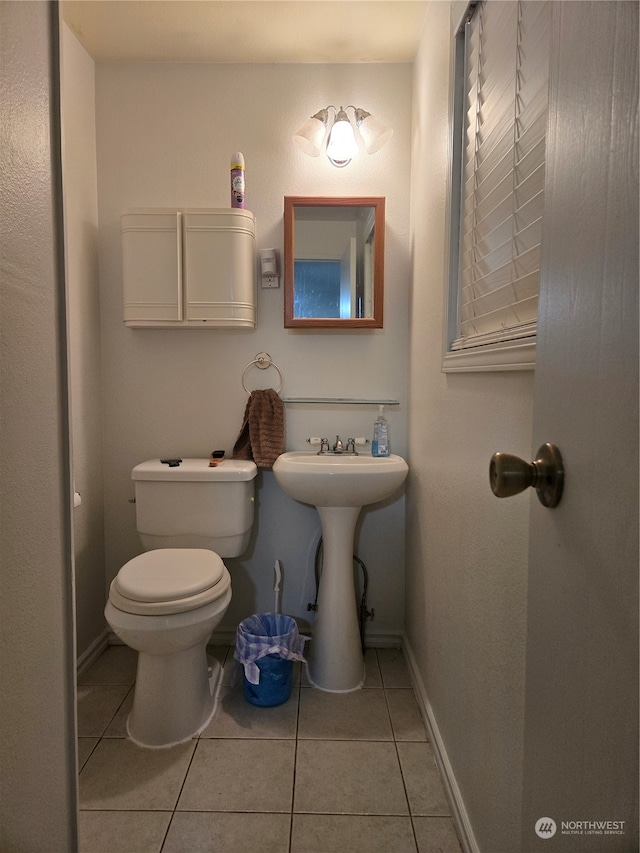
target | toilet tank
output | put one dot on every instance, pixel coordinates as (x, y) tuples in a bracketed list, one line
[(193, 505)]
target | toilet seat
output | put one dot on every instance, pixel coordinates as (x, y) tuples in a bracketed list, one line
[(169, 580)]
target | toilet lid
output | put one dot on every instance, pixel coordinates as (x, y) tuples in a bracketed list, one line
[(169, 574)]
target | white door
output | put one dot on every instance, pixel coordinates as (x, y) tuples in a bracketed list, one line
[(581, 707)]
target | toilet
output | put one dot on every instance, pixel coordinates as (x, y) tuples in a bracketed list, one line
[(166, 602)]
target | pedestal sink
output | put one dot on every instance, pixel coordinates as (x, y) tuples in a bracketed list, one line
[(338, 486)]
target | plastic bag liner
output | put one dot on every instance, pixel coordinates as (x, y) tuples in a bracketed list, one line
[(266, 646)]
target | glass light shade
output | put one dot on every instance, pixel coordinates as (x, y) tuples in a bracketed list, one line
[(311, 134), (342, 145), (374, 134)]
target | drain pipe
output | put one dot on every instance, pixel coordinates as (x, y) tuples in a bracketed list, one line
[(363, 601), (363, 614)]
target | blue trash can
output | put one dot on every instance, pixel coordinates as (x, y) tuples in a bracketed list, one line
[(274, 687), (266, 646)]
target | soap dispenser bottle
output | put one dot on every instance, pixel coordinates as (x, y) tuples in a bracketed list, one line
[(380, 443)]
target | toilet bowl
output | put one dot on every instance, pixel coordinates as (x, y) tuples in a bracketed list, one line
[(165, 603)]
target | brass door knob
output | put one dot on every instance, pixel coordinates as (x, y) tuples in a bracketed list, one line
[(509, 475)]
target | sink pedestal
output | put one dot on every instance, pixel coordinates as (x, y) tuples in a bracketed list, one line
[(335, 661), (338, 486)]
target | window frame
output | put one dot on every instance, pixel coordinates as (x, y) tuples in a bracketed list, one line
[(519, 351)]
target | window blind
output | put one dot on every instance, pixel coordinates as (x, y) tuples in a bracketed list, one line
[(506, 74)]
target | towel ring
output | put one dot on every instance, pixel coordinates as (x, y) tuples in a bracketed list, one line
[(262, 361)]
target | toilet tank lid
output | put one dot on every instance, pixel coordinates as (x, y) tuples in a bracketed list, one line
[(230, 470)]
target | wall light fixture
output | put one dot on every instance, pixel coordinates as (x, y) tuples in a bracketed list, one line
[(341, 140)]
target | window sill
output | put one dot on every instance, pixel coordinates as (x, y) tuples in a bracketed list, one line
[(518, 354)]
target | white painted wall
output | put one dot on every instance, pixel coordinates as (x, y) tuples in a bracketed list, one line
[(83, 305), (466, 551), (165, 134), (37, 701)]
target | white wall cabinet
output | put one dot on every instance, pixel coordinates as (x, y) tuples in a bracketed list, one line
[(192, 268)]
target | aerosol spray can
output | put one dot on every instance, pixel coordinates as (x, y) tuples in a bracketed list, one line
[(237, 180)]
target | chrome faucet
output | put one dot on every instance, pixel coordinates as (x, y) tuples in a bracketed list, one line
[(338, 448)]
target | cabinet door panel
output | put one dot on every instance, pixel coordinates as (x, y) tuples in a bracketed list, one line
[(220, 276), (152, 267)]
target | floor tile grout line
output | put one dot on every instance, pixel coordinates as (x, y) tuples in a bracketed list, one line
[(102, 736), (184, 780), (166, 835), (118, 710), (404, 784), (193, 755), (93, 749), (115, 713), (429, 816), (295, 762), (355, 814), (262, 811)]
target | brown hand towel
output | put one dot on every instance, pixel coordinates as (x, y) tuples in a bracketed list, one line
[(261, 437)]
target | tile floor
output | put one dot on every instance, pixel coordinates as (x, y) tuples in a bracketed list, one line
[(323, 773)]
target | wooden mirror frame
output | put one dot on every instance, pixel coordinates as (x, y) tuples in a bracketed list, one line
[(375, 322)]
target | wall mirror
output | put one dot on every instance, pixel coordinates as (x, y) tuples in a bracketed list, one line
[(333, 262)]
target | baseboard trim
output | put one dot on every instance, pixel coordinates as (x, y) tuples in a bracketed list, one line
[(227, 637), (458, 810), (224, 637), (381, 640), (91, 654)]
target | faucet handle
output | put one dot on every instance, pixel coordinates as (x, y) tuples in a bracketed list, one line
[(351, 444), (315, 440)]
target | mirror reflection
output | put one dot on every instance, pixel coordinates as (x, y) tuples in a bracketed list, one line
[(333, 262), (334, 259)]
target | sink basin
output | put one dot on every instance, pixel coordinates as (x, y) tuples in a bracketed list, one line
[(339, 481)]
